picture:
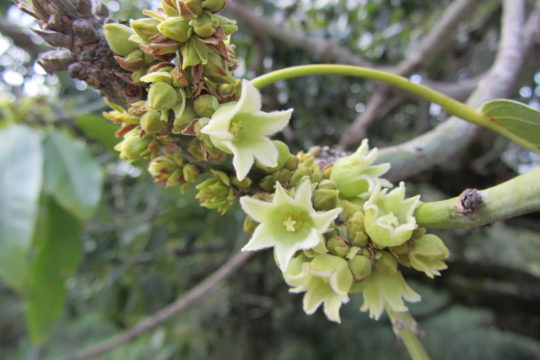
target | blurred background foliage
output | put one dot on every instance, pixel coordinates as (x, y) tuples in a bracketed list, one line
[(141, 246)]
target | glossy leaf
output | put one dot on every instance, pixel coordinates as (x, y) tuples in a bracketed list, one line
[(99, 129), (57, 256), (21, 164), (72, 175), (517, 121)]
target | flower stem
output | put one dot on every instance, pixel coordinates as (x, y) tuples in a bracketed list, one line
[(450, 105), (474, 208), (407, 330)]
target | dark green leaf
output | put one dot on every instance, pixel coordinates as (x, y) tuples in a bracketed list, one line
[(58, 255), (21, 164), (99, 129), (516, 121), (72, 176)]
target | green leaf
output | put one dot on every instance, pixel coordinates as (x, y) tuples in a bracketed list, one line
[(72, 176), (58, 254), (517, 121), (21, 164), (99, 129)]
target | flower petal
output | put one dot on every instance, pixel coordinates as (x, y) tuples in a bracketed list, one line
[(280, 196), (303, 195), (284, 251), (315, 296), (258, 210), (272, 122), (332, 304), (265, 152), (261, 239), (220, 122), (323, 220), (250, 99), (242, 162)]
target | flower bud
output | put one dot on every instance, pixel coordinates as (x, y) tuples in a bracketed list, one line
[(191, 173), (325, 199), (117, 35), (204, 25), (350, 208), (195, 6), (169, 7), (292, 163), (176, 28), (162, 96), (175, 179), (428, 254), (337, 245), (194, 52), (145, 28), (180, 122), (157, 76), (213, 5), (152, 124), (243, 185), (163, 166), (387, 263), (356, 230), (360, 266), (228, 25), (217, 69), (216, 192), (249, 225), (205, 105), (133, 146)]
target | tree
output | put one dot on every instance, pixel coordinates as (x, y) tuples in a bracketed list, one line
[(335, 222)]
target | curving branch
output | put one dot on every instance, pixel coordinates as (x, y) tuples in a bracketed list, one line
[(182, 303), (474, 208), (21, 38), (443, 142), (432, 44)]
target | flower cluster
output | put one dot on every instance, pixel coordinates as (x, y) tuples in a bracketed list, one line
[(335, 230), (343, 229)]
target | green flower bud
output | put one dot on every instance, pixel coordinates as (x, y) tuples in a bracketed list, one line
[(387, 263), (195, 6), (243, 185), (191, 173), (428, 254), (152, 124), (176, 28), (338, 246), (157, 76), (292, 163), (175, 179), (325, 199), (162, 96), (228, 25), (356, 230), (217, 69), (194, 52), (145, 28), (133, 147), (213, 5), (180, 122), (136, 75), (205, 105), (162, 167), (117, 35), (360, 266), (169, 7), (204, 25), (249, 225), (216, 192), (350, 208)]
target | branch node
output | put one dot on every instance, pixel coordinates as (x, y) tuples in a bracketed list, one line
[(469, 201)]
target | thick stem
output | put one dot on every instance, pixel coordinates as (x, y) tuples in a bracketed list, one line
[(450, 105), (407, 330), (472, 208)]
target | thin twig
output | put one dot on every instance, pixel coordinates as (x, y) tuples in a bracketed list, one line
[(166, 313), (432, 44), (447, 139)]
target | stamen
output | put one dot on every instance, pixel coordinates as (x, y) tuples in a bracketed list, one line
[(289, 224)]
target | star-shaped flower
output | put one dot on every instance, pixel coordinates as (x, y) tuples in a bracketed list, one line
[(356, 176), (326, 280), (287, 224), (382, 289), (389, 217), (242, 129)]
